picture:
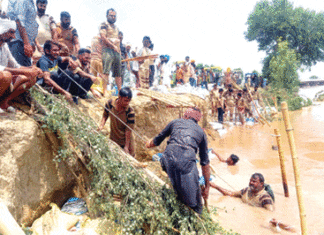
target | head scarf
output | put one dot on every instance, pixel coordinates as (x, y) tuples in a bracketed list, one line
[(167, 57), (6, 25), (192, 113)]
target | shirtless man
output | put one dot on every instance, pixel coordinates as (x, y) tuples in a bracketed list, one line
[(240, 107), (230, 103), (228, 77), (248, 103), (213, 99)]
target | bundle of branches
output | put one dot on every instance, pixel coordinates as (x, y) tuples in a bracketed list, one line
[(145, 207), (168, 99)]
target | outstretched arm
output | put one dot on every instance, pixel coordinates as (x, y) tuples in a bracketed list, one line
[(226, 192), (218, 156), (105, 116), (163, 134)]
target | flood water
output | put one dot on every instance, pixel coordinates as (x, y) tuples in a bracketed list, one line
[(254, 147)]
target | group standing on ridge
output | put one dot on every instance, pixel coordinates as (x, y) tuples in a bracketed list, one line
[(34, 49)]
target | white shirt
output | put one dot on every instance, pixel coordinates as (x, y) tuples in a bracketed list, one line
[(167, 74), (46, 24), (6, 59)]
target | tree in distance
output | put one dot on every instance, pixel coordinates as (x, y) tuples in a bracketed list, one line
[(283, 67), (302, 28)]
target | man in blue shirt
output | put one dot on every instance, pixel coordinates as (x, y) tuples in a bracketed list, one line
[(65, 75), (50, 64), (24, 13)]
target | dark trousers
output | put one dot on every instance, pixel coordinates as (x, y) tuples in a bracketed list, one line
[(192, 82), (180, 165), (220, 112), (151, 77), (18, 52), (204, 84), (67, 84)]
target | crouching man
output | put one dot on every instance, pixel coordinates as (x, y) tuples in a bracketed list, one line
[(14, 79), (179, 158)]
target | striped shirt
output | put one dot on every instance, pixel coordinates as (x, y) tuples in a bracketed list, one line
[(260, 199), (117, 128)]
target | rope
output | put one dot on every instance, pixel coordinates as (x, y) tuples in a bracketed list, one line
[(142, 138), (224, 181)]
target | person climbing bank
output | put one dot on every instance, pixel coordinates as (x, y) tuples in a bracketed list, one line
[(120, 109), (179, 157)]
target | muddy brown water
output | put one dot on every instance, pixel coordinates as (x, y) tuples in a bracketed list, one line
[(254, 147)]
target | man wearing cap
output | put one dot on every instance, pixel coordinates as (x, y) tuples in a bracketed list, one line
[(14, 79), (47, 26), (24, 13), (68, 35), (179, 157)]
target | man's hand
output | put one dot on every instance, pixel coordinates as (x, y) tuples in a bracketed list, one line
[(40, 48), (28, 49), (73, 64), (115, 48), (94, 80), (36, 72), (150, 144), (68, 96), (126, 149), (205, 191)]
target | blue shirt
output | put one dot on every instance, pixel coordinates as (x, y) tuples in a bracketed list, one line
[(25, 12)]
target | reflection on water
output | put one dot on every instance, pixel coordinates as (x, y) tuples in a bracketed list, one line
[(254, 147)]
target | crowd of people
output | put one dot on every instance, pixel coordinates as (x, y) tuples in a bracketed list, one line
[(36, 49), (233, 102)]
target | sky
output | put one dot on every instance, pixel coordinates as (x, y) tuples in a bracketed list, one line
[(209, 31)]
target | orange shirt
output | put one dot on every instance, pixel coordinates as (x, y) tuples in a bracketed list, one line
[(67, 37), (179, 74)]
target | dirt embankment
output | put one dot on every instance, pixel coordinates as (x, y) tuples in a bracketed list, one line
[(29, 178)]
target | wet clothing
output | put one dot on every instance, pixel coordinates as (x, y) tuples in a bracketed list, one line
[(220, 112), (179, 159), (111, 61), (260, 199)]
